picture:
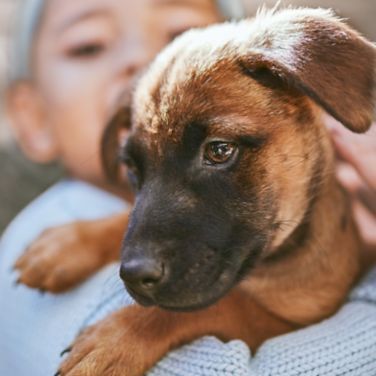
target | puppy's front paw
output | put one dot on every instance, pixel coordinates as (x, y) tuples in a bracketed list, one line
[(107, 349), (61, 258)]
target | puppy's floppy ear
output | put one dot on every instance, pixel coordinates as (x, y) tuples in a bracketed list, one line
[(314, 52), (112, 142)]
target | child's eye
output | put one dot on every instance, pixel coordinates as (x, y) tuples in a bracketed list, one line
[(88, 50)]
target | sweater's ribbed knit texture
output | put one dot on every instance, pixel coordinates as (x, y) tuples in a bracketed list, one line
[(344, 344)]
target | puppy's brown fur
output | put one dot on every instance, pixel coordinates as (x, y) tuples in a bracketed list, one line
[(264, 80), (64, 256)]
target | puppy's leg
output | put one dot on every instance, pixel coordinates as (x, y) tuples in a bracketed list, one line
[(64, 256), (132, 340)]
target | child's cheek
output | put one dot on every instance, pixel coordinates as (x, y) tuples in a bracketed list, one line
[(77, 113)]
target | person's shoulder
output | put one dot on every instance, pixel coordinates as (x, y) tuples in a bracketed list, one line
[(66, 201)]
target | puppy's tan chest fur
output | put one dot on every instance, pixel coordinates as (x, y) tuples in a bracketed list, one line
[(311, 280)]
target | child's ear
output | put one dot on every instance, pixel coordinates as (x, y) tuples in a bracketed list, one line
[(27, 117)]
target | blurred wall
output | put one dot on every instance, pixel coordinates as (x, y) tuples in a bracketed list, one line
[(361, 14), (6, 7)]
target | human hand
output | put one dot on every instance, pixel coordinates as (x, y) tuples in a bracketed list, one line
[(356, 171)]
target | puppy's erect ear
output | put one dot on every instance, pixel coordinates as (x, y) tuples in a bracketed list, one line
[(314, 52)]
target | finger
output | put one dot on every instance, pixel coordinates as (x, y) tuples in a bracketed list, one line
[(349, 178), (367, 198), (359, 151), (366, 222)]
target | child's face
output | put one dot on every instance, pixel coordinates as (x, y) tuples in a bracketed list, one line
[(86, 54)]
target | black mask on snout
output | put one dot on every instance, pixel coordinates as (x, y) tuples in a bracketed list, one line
[(190, 238)]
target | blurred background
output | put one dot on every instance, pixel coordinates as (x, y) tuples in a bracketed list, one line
[(21, 180)]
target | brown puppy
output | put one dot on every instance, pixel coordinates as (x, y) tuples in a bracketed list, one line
[(238, 219)]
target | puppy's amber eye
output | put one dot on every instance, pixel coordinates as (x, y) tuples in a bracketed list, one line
[(219, 152)]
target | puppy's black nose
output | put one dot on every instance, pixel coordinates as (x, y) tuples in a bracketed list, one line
[(142, 275)]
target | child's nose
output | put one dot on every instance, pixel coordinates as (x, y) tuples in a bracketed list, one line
[(129, 64), (133, 63)]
